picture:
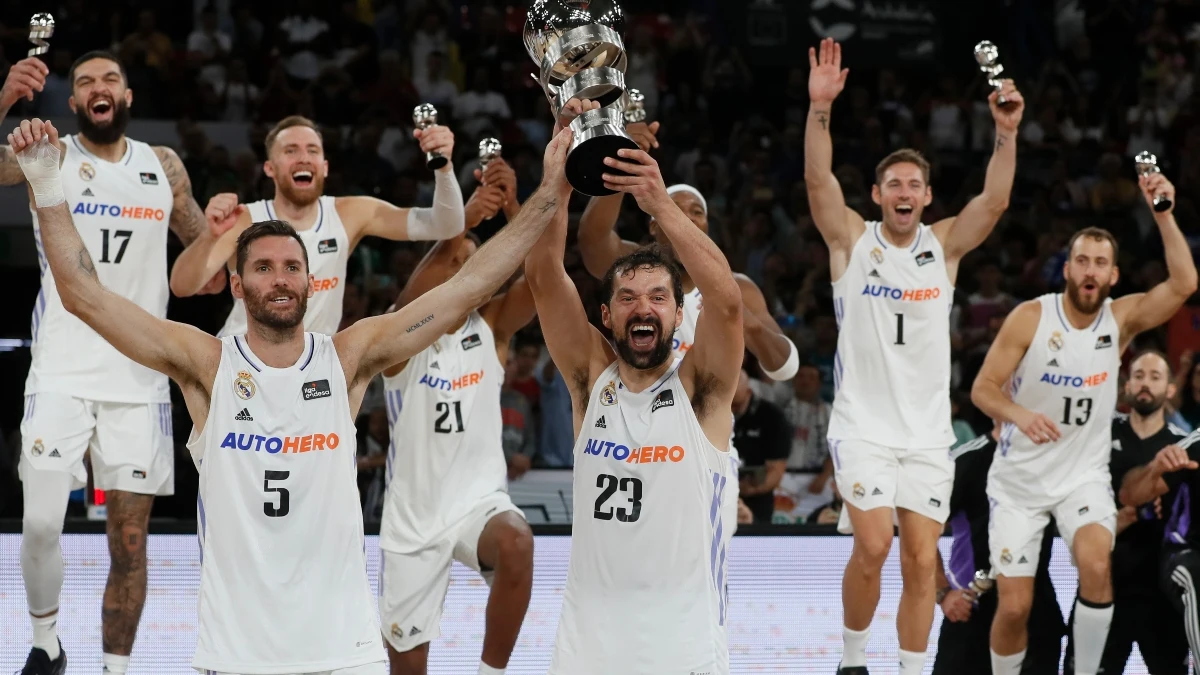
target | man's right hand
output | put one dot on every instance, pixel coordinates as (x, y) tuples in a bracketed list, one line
[(1172, 458), (485, 202), (826, 77), (554, 164), (645, 135), (222, 213), (24, 78), (957, 605), (1039, 428)]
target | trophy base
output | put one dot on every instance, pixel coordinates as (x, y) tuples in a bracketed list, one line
[(435, 161), (1161, 204), (598, 134)]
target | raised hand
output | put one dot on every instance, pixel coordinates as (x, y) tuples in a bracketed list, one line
[(826, 77), (484, 203), (222, 213), (1007, 116), (645, 135), (644, 182), (554, 164), (574, 108), (36, 145), (24, 78), (1157, 184), (436, 138), (501, 175)]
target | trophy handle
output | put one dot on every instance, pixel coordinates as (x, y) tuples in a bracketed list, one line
[(435, 160)]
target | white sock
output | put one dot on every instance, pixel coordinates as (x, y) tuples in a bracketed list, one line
[(912, 663), (1007, 665), (1091, 632), (485, 669), (854, 647), (45, 634), (115, 665)]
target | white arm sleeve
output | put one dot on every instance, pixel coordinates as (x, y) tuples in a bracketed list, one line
[(446, 218), (789, 368)]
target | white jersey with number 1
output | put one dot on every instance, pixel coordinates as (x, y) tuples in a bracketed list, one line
[(646, 582), (122, 210), (328, 247), (283, 578), (892, 367)]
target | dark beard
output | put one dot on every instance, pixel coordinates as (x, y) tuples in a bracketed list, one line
[(258, 307), (1150, 407), (654, 359), (104, 134), (1073, 292)]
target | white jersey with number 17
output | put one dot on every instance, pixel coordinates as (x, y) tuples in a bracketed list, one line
[(892, 367)]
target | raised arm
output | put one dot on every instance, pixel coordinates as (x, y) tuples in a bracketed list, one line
[(187, 220), (714, 362), (1138, 312), (214, 248), (1005, 354), (368, 216), (839, 225), (184, 353), (764, 338), (961, 234), (371, 345), (26, 77)]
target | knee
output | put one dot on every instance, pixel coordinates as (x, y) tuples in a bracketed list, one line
[(514, 552), (1095, 571), (917, 564), (1013, 609), (127, 548), (40, 528), (871, 550)]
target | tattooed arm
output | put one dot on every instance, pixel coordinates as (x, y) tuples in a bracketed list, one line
[(187, 219)]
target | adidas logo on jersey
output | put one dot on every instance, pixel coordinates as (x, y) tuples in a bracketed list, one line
[(414, 631), (663, 400), (600, 423), (435, 366), (1053, 363), (1104, 342), (1022, 561), (54, 453), (874, 274), (87, 192), (243, 416), (876, 492)]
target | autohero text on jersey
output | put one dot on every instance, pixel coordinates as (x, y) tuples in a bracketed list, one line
[(1061, 380), (649, 454), (276, 444), (118, 211), (902, 294)]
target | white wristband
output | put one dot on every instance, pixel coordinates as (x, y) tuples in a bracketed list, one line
[(39, 162), (789, 368)]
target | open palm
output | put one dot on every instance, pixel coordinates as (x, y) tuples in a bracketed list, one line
[(826, 77)]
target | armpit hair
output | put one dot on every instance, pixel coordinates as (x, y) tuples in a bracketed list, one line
[(703, 386)]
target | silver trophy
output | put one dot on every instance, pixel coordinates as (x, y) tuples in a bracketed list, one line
[(489, 149), (580, 53), (987, 56), (425, 116), (982, 583), (1147, 164), (41, 27), (635, 106)]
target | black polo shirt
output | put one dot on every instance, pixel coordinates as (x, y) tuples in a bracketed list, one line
[(760, 434)]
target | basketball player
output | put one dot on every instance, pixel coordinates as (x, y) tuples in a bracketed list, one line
[(447, 497), (600, 245), (645, 588), (81, 392), (893, 286), (1063, 355), (330, 226), (1142, 613), (283, 585)]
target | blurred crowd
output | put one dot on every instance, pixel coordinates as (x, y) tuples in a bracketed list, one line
[(1103, 80)]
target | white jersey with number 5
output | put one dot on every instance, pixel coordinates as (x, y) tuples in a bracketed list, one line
[(122, 210), (646, 583), (1070, 375), (283, 578), (445, 453), (892, 367), (328, 247)]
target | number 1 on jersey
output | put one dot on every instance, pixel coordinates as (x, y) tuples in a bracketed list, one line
[(123, 235), (899, 329)]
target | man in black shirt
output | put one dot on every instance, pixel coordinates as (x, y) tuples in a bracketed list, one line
[(964, 639), (1142, 612), (763, 438)]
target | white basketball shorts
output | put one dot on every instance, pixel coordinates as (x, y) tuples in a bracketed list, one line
[(412, 586), (379, 668), (131, 443), (1015, 531), (871, 476)]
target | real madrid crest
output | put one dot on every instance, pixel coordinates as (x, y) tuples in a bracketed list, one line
[(877, 256), (859, 490), (1056, 341), (86, 171), (1006, 557), (608, 395), (38, 448), (243, 386)]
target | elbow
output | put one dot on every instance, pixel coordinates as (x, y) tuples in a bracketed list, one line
[(977, 397), (178, 288), (1186, 285)]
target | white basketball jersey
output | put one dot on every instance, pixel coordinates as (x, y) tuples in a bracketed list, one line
[(328, 248), (646, 584), (892, 367), (445, 453), (283, 579), (685, 335), (1069, 375), (122, 210)]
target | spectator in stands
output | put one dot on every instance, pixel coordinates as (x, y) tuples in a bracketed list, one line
[(528, 353), (148, 45), (304, 40), (1114, 191), (208, 47), (763, 439), (808, 415), (238, 96), (1187, 389), (481, 107), (520, 426), (824, 350), (557, 438), (432, 84)]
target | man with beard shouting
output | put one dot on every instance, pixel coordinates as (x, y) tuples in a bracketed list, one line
[(648, 549), (330, 226), (81, 391), (1142, 613), (283, 586), (1062, 353)]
